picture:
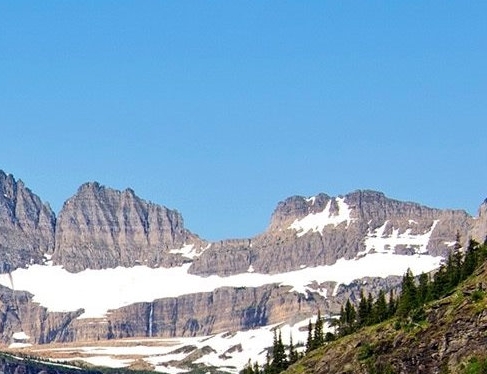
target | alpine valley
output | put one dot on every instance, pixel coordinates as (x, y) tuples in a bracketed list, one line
[(114, 280)]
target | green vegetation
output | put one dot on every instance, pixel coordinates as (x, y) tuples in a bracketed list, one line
[(408, 310), (476, 365)]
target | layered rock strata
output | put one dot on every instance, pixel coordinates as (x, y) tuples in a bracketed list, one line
[(103, 228), (26, 225)]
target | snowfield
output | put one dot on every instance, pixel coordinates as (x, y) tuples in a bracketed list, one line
[(231, 351), (316, 222), (97, 291)]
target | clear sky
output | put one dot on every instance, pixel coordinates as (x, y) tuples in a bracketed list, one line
[(221, 109)]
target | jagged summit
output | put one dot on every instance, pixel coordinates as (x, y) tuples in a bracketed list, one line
[(312, 250), (27, 225), (100, 227)]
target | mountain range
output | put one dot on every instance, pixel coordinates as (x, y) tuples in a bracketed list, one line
[(113, 266)]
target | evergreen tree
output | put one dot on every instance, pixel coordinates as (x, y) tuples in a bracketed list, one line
[(440, 283), (362, 312), (309, 340), (279, 362), (329, 337), (471, 259), (318, 337), (424, 289), (408, 299), (267, 366), (370, 306), (293, 354), (257, 368), (380, 312), (248, 369), (348, 320), (391, 306)]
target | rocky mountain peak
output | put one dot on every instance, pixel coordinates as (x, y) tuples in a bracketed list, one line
[(100, 227), (26, 225)]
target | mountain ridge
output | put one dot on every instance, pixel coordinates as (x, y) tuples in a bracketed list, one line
[(332, 244)]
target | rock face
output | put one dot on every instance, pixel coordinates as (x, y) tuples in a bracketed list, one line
[(225, 309), (321, 230), (19, 313), (104, 228), (26, 225), (479, 232)]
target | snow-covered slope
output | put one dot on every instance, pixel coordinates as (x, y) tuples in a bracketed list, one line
[(127, 268), (97, 291)]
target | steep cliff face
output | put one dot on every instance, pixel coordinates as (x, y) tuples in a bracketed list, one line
[(322, 229), (225, 309), (26, 225), (19, 313), (479, 231), (103, 228)]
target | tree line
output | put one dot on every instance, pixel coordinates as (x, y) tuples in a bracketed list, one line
[(407, 305)]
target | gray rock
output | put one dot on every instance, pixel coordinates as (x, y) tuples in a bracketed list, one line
[(281, 248), (26, 225), (104, 228)]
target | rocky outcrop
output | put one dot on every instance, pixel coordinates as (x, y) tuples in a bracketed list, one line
[(479, 232), (225, 309), (320, 230), (19, 313), (26, 225), (104, 228), (101, 228)]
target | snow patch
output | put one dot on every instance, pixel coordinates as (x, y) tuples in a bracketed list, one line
[(311, 200), (48, 259), (232, 350), (316, 222), (376, 241), (20, 345), (98, 291), (20, 336), (187, 250)]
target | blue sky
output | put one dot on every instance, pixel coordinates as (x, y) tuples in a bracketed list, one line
[(221, 109)]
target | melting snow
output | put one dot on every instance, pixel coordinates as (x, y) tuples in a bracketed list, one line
[(377, 242), (20, 336), (188, 250), (317, 221), (97, 291), (311, 200), (161, 353)]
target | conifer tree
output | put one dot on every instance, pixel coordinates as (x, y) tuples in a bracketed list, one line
[(370, 305), (293, 354), (471, 259), (362, 312), (440, 283), (248, 369), (257, 368), (309, 340), (424, 289), (318, 337), (391, 305), (380, 312), (408, 299), (278, 362), (348, 320)]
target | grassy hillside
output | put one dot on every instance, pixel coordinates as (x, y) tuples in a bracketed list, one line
[(451, 337)]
